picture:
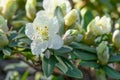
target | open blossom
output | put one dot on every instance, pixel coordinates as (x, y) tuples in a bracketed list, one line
[(43, 33), (100, 26), (50, 5)]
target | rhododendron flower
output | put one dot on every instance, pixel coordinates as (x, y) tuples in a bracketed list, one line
[(43, 33), (100, 26), (50, 5)]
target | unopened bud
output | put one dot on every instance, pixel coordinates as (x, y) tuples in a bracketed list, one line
[(70, 36), (3, 39), (71, 17), (31, 9), (103, 53), (89, 38), (3, 24), (9, 8), (116, 39)]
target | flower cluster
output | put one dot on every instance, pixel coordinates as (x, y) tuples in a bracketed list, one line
[(45, 28)]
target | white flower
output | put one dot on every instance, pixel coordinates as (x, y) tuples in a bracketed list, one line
[(43, 31), (100, 26), (50, 5)]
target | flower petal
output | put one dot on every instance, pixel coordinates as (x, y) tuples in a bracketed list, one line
[(54, 27), (55, 42), (41, 21), (49, 5), (29, 31), (38, 47), (41, 13)]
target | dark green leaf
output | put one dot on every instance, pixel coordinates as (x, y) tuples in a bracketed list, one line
[(20, 36), (12, 35), (48, 65), (63, 50), (61, 65), (25, 40), (13, 44), (83, 47), (114, 58), (111, 72), (7, 51), (84, 55), (1, 55), (89, 64), (72, 70), (87, 18), (60, 17)]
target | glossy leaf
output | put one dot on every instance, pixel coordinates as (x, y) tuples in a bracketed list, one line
[(72, 70), (84, 55), (111, 72), (114, 58), (83, 47), (63, 50), (89, 64), (48, 65)]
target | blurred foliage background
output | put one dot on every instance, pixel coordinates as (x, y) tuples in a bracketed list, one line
[(18, 69)]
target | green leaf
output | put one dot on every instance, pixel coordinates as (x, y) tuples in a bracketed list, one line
[(87, 18), (83, 47), (7, 51), (79, 17), (1, 56), (60, 17), (63, 50), (72, 70), (89, 64), (48, 65), (25, 75), (20, 36), (13, 34), (111, 72), (13, 44), (61, 65), (84, 55), (114, 58), (25, 40)]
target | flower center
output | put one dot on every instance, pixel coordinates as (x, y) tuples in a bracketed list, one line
[(43, 31)]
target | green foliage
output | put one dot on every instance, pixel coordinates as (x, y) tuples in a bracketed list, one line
[(81, 44), (48, 65)]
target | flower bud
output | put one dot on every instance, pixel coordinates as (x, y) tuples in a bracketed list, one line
[(100, 26), (31, 9), (3, 24), (3, 39), (9, 8), (71, 17), (89, 38), (103, 53), (116, 39), (70, 36)]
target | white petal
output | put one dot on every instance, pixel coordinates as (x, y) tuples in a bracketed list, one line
[(54, 27), (38, 47), (55, 42), (49, 5), (41, 21), (29, 31), (41, 13)]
